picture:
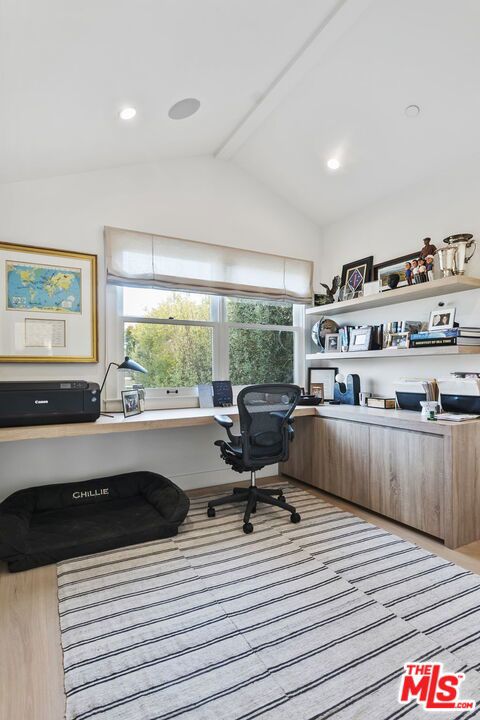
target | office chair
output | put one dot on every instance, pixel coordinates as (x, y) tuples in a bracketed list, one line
[(266, 430)]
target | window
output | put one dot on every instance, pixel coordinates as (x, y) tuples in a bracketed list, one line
[(184, 339)]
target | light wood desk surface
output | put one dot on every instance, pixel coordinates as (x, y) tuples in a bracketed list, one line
[(149, 420)]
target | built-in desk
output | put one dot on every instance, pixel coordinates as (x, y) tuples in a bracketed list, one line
[(421, 473)]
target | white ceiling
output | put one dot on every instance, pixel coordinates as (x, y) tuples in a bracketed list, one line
[(284, 85), (68, 66)]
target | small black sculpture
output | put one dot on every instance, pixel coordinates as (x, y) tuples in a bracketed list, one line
[(393, 280), (329, 296)]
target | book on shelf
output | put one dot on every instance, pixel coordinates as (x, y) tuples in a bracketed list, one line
[(433, 342)]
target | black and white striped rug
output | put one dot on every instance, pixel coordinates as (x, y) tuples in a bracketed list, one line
[(308, 621)]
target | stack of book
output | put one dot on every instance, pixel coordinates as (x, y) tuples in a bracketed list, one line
[(449, 336)]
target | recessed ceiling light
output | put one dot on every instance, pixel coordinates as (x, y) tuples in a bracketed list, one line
[(333, 164), (128, 113), (184, 108), (412, 111)]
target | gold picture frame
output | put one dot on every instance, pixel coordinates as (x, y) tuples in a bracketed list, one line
[(76, 304)]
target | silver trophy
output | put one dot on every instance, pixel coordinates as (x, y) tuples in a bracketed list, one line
[(459, 244)]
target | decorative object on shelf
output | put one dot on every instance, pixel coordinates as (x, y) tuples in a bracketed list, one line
[(446, 259), (461, 242), (421, 274), (48, 312), (322, 376), (399, 327), (363, 397), (360, 339), (355, 275), (393, 280), (427, 249), (131, 403), (398, 341), (332, 342), (371, 288), (382, 271), (320, 329), (383, 403), (347, 391), (429, 261), (329, 296), (430, 409), (441, 319)]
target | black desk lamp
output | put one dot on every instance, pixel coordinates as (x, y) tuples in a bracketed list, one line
[(127, 364)]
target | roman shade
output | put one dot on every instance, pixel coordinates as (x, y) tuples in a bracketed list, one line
[(140, 259)]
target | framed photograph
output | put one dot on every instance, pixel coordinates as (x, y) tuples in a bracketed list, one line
[(360, 339), (131, 403), (324, 376), (48, 305), (355, 275), (398, 341), (317, 390), (382, 271), (441, 319), (332, 342)]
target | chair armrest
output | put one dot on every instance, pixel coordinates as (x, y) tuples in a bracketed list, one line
[(226, 422)]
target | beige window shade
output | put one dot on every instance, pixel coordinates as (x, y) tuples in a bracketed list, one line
[(139, 259)]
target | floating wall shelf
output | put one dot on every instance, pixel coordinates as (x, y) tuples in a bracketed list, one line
[(405, 354), (444, 286)]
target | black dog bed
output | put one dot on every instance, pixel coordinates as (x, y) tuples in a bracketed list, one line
[(45, 524)]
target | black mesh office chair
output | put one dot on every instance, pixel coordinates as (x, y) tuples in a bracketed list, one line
[(266, 428)]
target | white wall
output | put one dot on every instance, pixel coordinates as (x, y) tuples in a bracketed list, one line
[(440, 207), (197, 198)]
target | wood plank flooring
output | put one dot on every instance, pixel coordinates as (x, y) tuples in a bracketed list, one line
[(31, 674)]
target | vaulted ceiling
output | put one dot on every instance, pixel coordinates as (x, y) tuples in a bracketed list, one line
[(284, 85)]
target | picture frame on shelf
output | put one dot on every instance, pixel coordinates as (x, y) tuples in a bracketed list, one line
[(332, 343), (354, 276), (360, 339), (398, 341), (324, 376), (131, 403), (382, 271), (48, 305), (441, 319)]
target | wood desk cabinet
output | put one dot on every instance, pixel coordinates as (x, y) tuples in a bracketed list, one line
[(422, 474)]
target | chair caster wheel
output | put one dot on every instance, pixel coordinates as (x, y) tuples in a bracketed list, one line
[(295, 518), (254, 510), (282, 498), (247, 528), (211, 512)]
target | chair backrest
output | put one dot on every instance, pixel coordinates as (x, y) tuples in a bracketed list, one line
[(264, 411)]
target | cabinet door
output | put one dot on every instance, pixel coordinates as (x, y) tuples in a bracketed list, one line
[(340, 459), (407, 477), (299, 463)]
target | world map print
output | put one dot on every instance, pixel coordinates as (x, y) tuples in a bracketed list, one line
[(43, 288)]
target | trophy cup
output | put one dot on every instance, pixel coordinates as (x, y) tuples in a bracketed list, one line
[(461, 243), (446, 257)]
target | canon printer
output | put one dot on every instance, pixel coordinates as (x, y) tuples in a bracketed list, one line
[(46, 403)]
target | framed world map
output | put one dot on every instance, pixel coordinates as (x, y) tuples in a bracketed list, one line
[(39, 286)]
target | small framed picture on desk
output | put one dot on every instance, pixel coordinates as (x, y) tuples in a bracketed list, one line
[(131, 403)]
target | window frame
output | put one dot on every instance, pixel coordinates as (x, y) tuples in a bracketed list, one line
[(169, 396)]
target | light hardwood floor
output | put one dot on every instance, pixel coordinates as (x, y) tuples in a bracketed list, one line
[(31, 675)]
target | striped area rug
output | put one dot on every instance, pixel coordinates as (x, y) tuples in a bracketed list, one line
[(309, 621)]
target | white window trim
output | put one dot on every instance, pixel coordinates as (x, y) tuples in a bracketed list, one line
[(185, 397)]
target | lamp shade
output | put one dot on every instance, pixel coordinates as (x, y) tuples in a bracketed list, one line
[(129, 364)]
